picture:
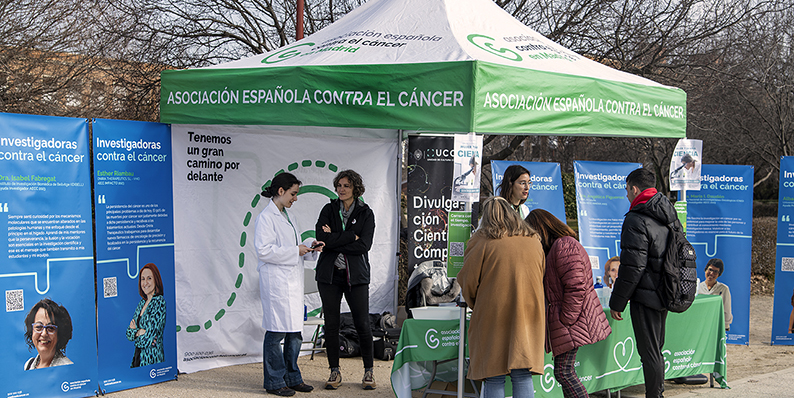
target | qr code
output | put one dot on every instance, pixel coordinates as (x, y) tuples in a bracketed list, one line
[(110, 287), (594, 263), (15, 300), (456, 249), (787, 264)]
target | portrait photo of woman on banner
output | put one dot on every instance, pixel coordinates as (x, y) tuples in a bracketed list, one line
[(48, 328), (148, 320)]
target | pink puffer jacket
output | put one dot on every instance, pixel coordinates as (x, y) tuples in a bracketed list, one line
[(574, 316)]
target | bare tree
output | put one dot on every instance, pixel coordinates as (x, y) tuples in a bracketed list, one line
[(202, 32), (745, 95), (46, 48), (664, 40)]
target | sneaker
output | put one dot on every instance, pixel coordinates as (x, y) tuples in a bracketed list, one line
[(368, 382), (334, 380), (302, 387), (282, 392)]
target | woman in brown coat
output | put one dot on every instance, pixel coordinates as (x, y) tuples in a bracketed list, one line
[(573, 312), (502, 280)]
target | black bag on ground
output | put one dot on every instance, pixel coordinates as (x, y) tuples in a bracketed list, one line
[(385, 334), (348, 337), (678, 283), (384, 348), (348, 347), (386, 341)]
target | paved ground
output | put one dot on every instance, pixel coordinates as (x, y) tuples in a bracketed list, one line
[(775, 384), (246, 381), (757, 370)]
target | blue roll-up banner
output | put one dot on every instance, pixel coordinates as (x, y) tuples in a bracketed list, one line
[(783, 315), (135, 242), (47, 276), (601, 202), (546, 189), (720, 225)]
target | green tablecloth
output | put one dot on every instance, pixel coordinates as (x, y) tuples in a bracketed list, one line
[(694, 344)]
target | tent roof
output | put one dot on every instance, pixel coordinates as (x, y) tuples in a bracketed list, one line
[(421, 31), (441, 65)]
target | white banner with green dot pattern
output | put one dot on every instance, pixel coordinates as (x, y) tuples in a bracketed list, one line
[(219, 172)]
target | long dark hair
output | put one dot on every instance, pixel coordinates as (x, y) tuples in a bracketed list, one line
[(549, 228), (505, 189), (284, 181)]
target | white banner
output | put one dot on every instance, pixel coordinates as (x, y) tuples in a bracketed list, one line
[(685, 165), (219, 172)]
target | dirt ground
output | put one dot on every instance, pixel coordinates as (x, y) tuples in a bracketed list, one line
[(246, 380)]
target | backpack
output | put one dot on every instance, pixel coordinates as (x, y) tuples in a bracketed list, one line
[(679, 272)]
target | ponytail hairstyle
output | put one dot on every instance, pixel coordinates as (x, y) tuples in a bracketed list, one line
[(284, 181)]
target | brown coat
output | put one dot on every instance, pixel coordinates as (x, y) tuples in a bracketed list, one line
[(502, 280), (574, 314)]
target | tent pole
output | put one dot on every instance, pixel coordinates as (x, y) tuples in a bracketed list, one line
[(399, 220), (462, 331), (299, 21)]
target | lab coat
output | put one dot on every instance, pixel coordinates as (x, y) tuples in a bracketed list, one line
[(280, 270)]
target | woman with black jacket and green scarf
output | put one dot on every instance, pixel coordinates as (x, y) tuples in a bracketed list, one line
[(347, 226)]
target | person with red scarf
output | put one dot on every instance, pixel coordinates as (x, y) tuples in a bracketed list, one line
[(643, 243)]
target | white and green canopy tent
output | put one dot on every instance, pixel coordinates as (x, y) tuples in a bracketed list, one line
[(386, 68), (429, 65)]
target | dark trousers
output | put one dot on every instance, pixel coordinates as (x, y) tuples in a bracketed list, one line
[(649, 326), (357, 297)]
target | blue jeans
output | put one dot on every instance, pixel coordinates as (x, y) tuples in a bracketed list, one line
[(522, 385), (281, 366)]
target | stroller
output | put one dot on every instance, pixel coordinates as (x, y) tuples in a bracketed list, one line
[(429, 285)]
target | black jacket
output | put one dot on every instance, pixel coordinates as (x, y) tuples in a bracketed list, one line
[(361, 223), (643, 243)]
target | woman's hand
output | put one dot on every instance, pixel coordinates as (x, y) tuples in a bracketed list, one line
[(317, 246), (326, 229), (140, 332), (132, 324), (302, 249)]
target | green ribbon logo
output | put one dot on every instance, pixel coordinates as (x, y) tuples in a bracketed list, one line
[(488, 45), (285, 54)]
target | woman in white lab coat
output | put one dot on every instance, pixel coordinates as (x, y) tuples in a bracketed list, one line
[(280, 256)]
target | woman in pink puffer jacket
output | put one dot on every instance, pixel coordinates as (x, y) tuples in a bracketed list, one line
[(574, 316)]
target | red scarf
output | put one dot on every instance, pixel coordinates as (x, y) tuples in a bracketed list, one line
[(643, 197)]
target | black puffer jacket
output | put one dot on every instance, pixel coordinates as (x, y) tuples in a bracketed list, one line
[(643, 243), (361, 223)]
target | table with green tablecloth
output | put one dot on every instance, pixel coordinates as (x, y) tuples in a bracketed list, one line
[(694, 344)]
